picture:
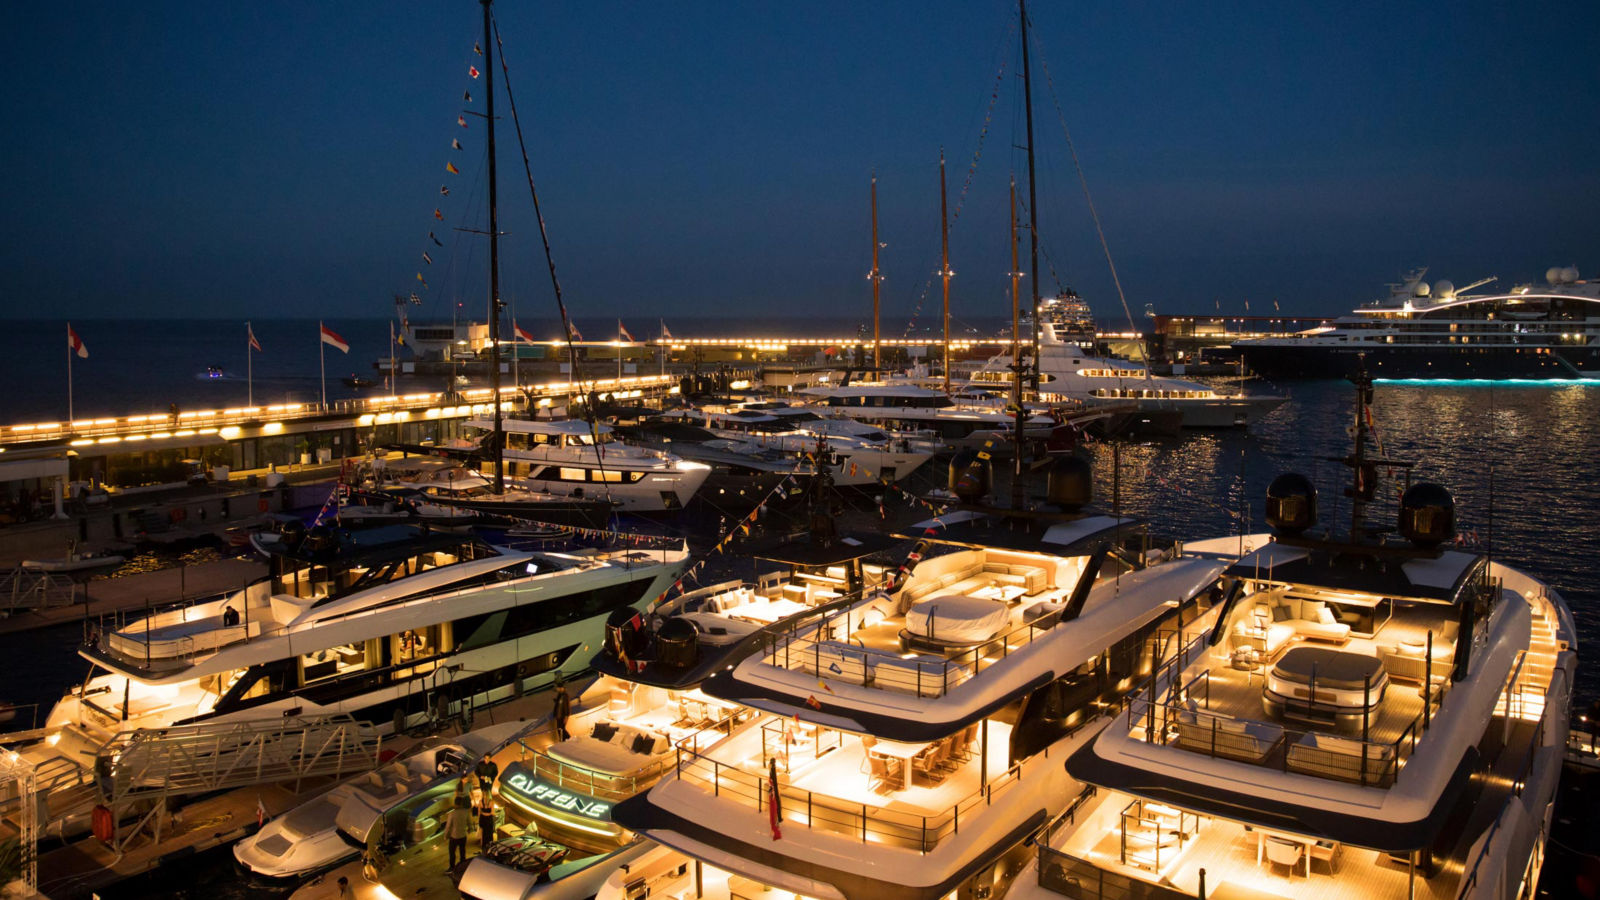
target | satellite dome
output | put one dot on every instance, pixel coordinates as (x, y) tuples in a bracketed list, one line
[(971, 476), (1569, 274), (1291, 503), (1427, 514), (1444, 290), (1553, 274), (1421, 290)]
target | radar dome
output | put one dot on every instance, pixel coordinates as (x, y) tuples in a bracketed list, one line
[(1553, 274), (1421, 290), (970, 476), (1427, 514), (676, 646), (1444, 290), (1071, 482), (1291, 503), (1569, 274)]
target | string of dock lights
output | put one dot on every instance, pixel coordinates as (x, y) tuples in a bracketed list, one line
[(227, 423)]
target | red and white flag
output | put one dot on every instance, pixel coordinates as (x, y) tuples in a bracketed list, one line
[(261, 813), (521, 334), (665, 334), (572, 330), (622, 333), (75, 343), (332, 339), (254, 344)]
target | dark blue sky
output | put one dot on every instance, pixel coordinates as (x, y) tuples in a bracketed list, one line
[(229, 160)]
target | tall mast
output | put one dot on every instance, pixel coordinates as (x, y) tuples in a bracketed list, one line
[(1033, 205), (876, 277), (944, 268), (1016, 358), (494, 259)]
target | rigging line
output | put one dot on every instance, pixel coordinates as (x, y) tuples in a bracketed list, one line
[(550, 260), (972, 171), (1083, 182)]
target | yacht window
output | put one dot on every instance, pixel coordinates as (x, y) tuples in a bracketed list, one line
[(606, 475), (569, 473), (413, 644), (333, 662)]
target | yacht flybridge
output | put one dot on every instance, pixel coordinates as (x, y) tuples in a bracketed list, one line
[(384, 624), (1068, 372), (1439, 331), (1369, 718), (906, 742)]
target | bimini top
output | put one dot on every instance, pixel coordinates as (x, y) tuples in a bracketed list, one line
[(1441, 576), (1059, 534)]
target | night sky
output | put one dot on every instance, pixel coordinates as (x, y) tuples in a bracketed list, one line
[(231, 160)]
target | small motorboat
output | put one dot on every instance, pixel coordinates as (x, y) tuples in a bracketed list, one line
[(358, 382), (74, 562)]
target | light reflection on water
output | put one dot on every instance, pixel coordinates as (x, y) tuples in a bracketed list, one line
[(1529, 449)]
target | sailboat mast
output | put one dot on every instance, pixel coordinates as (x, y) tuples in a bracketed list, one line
[(944, 268), (877, 278), (494, 259), (1016, 358), (1033, 204)]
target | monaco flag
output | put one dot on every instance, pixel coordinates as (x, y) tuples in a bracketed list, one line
[(520, 334), (75, 343), (622, 333), (332, 339)]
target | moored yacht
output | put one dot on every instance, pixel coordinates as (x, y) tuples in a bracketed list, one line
[(855, 454), (1369, 718), (907, 741), (931, 415), (1067, 372), (385, 624), (581, 459)]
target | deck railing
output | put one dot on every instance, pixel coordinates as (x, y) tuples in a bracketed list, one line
[(864, 822), (807, 642), (1199, 730)]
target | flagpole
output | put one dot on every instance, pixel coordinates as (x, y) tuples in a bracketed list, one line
[(322, 361), (249, 367), (70, 351), (663, 348), (391, 359)]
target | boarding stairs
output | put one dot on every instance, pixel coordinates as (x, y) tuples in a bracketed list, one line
[(139, 770), (1526, 696)]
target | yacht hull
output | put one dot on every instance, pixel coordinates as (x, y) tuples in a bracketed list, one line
[(1222, 412), (1442, 363)]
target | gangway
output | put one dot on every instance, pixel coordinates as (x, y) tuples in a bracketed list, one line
[(136, 772)]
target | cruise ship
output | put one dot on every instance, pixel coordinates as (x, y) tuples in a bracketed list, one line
[(908, 745), (1068, 372), (1441, 332), (1371, 717)]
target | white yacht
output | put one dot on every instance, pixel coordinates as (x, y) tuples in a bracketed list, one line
[(1439, 331), (856, 455), (1068, 372), (927, 415), (1369, 718), (907, 741), (388, 624), (575, 458)]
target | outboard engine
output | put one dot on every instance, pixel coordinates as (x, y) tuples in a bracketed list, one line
[(1427, 514), (677, 645), (1071, 482), (626, 637), (1291, 503), (970, 477)]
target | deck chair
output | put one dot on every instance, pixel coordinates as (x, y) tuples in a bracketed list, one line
[(878, 774), (1284, 853)]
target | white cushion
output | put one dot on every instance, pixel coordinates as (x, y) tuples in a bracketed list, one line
[(1311, 610), (1233, 726), (1325, 616)]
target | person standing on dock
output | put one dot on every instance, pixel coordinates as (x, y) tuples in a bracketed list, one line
[(486, 817), (457, 826)]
